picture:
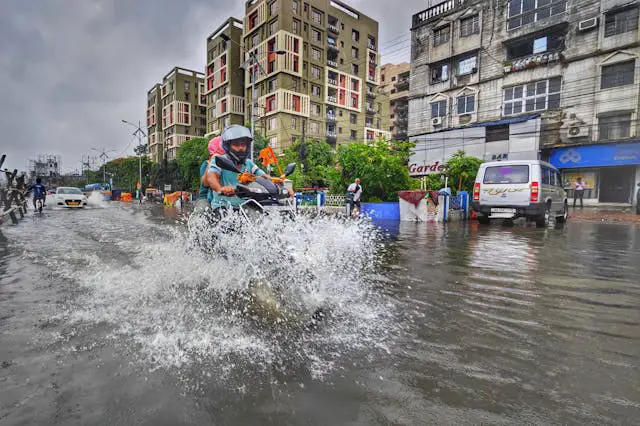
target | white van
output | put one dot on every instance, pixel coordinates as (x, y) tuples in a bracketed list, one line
[(511, 189)]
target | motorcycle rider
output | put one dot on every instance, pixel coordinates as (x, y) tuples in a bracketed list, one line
[(236, 143)]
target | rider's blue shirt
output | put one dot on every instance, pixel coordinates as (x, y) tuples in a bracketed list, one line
[(228, 178), (204, 190), (39, 190)]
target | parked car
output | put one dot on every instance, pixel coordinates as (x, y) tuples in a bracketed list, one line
[(511, 189), (70, 197)]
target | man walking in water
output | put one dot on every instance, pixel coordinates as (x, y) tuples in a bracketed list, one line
[(578, 192), (356, 190)]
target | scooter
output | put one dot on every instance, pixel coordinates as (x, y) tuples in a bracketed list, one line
[(261, 195)]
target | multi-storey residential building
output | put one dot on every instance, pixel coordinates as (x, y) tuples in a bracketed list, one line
[(224, 80), (394, 82), (554, 79), (175, 112), (318, 71)]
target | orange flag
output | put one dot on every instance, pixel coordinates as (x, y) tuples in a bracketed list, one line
[(268, 156)]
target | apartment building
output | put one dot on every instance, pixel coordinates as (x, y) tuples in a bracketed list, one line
[(316, 73), (519, 79), (176, 111), (224, 79), (394, 82)]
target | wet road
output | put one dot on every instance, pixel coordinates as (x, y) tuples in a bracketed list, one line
[(104, 319)]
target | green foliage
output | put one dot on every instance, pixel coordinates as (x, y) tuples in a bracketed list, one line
[(380, 165), (314, 158), (124, 172), (189, 157), (462, 170)]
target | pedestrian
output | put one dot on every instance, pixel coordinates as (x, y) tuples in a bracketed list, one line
[(356, 189), (578, 192)]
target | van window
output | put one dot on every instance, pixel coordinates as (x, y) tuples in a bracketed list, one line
[(507, 174), (558, 179), (547, 177)]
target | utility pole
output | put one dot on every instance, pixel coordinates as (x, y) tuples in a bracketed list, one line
[(139, 150), (103, 155)]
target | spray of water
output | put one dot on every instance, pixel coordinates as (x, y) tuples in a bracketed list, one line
[(273, 293), (96, 200)]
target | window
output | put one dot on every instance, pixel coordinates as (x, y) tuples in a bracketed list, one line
[(316, 35), (295, 7), (186, 97), (466, 66), (315, 71), (470, 26), (272, 85), (355, 36), (439, 73), (186, 86), (355, 69), (547, 176), (441, 35), (273, 141), (439, 109), (273, 27), (535, 96), (316, 54), (522, 12), (314, 127), (316, 16), (466, 104), (621, 22), (353, 136), (617, 75), (296, 26), (273, 123), (353, 118), (506, 174), (539, 44), (294, 123), (273, 8), (354, 52), (315, 90), (316, 110), (615, 126)]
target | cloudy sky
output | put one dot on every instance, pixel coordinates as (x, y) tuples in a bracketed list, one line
[(72, 69)]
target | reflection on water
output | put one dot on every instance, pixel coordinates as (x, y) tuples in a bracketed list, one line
[(103, 322)]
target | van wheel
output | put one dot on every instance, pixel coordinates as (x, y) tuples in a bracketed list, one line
[(565, 214), (482, 219), (542, 221)]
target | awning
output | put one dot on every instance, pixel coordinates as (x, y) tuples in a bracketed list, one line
[(511, 120)]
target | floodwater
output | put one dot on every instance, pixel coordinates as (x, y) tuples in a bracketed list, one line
[(108, 316)]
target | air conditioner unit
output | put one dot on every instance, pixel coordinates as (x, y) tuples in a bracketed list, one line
[(588, 24), (577, 132), (436, 121)]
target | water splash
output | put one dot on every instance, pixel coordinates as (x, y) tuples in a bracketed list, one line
[(96, 200), (172, 299)]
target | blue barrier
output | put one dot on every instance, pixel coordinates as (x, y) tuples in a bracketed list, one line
[(310, 198), (385, 211)]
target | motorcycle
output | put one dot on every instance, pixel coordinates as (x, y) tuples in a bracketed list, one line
[(260, 194)]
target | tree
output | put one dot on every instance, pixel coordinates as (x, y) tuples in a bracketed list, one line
[(124, 172), (314, 159), (462, 170), (381, 165), (189, 158)]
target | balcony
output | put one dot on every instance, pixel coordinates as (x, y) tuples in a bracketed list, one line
[(370, 110), (332, 134), (402, 85), (532, 61), (332, 99), (371, 46), (331, 117), (333, 28), (332, 81), (332, 63), (434, 12), (371, 94), (371, 79)]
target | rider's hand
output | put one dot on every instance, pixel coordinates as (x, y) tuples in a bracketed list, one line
[(227, 190)]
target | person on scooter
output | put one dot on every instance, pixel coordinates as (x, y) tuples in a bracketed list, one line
[(236, 143)]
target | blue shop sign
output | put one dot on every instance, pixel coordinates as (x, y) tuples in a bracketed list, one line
[(596, 155)]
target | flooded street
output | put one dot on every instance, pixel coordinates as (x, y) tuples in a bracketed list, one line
[(108, 316)]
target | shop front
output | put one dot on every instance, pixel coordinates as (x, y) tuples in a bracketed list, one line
[(610, 172)]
